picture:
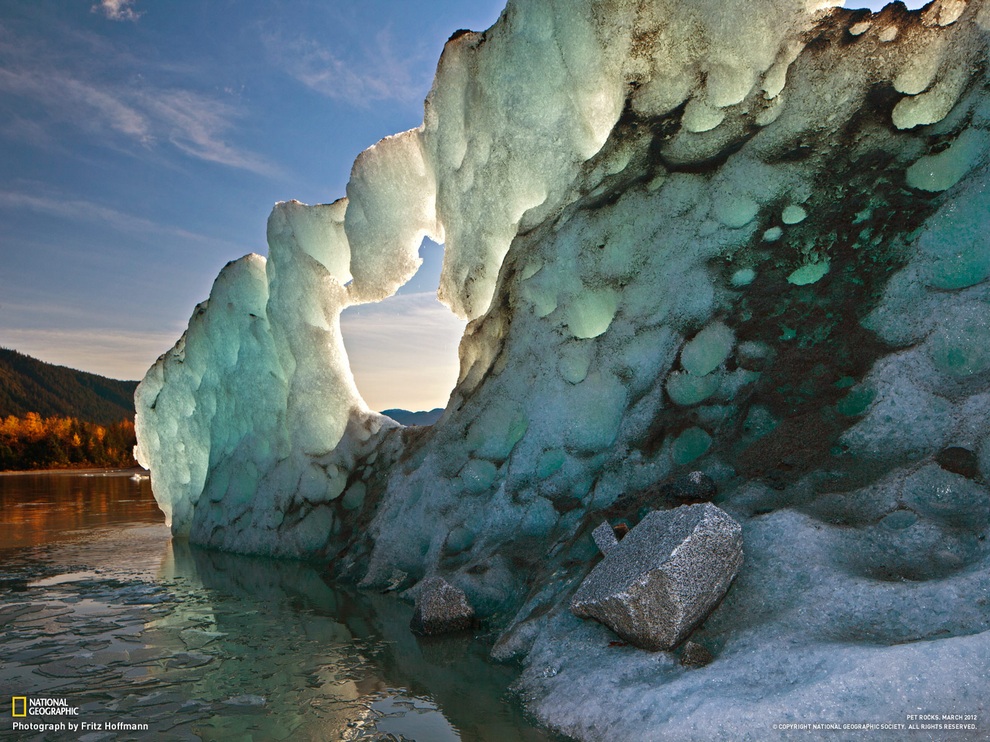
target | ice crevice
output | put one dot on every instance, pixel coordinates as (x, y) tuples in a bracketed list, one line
[(747, 239)]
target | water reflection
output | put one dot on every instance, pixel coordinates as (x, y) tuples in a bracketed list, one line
[(363, 673), (202, 645), (39, 508), (262, 639)]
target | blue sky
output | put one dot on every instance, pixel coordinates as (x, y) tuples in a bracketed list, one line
[(143, 143)]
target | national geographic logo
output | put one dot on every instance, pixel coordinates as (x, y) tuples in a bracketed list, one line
[(53, 711), (22, 706)]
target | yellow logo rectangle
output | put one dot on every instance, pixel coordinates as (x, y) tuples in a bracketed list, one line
[(24, 705)]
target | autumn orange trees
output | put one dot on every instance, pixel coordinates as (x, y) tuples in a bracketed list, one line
[(33, 442)]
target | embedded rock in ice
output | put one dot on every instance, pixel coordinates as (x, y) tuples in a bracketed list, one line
[(664, 577), (605, 538), (695, 655), (695, 486), (441, 608), (959, 460)]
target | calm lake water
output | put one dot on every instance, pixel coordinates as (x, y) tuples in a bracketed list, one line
[(100, 607)]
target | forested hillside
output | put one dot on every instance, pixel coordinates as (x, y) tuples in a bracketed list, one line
[(29, 385), (53, 417), (33, 442)]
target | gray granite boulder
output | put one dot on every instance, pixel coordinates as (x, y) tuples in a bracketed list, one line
[(605, 538), (658, 583), (441, 608)]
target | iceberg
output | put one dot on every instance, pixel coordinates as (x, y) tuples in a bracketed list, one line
[(748, 239)]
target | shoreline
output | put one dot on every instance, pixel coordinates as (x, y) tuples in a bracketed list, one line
[(81, 470)]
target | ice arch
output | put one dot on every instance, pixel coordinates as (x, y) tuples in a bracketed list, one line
[(774, 270), (252, 424)]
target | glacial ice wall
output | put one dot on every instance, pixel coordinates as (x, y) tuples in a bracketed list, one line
[(749, 238), (501, 140)]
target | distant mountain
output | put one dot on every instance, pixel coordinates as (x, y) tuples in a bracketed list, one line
[(30, 385), (405, 417)]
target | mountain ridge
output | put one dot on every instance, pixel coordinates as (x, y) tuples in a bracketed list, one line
[(407, 417), (30, 385)]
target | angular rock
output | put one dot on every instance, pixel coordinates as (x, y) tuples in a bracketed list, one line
[(655, 586), (605, 538), (441, 608), (695, 486), (695, 655)]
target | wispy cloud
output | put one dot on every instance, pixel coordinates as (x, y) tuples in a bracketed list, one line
[(403, 351), (133, 111), (197, 126), (27, 131), (375, 74), (71, 99), (89, 211), (116, 10)]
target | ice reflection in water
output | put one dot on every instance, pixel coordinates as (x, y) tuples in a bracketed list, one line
[(203, 645)]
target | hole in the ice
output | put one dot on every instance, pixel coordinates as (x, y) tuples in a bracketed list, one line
[(403, 350)]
